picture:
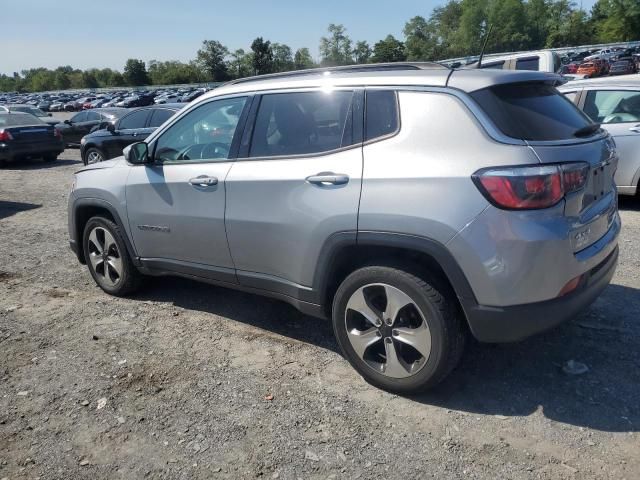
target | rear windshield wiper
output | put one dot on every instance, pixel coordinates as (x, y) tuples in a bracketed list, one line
[(587, 131)]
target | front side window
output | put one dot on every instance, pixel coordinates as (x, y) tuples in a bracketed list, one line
[(613, 106), (93, 117), (79, 117), (302, 123), (204, 134), (137, 119)]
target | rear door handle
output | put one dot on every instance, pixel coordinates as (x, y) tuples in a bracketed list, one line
[(203, 181), (328, 178), (635, 128)]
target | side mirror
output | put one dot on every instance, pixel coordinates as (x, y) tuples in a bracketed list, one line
[(68, 122), (49, 115), (137, 153), (111, 127)]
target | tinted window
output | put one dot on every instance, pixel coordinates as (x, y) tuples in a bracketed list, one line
[(529, 63), (159, 116), (93, 117), (79, 117), (205, 133), (531, 111), (381, 113), (302, 123), (613, 106), (137, 119)]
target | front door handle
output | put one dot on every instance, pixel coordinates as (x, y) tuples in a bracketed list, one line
[(203, 181), (635, 128), (328, 178)]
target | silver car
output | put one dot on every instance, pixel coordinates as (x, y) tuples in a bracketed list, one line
[(614, 103), (410, 204)]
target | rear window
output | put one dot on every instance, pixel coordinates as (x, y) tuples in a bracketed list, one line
[(531, 111), (529, 63), (17, 120)]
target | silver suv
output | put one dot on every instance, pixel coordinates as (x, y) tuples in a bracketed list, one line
[(408, 203)]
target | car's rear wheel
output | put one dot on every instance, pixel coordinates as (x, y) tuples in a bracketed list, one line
[(399, 332), (93, 155), (108, 259)]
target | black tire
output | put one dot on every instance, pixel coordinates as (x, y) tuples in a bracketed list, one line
[(91, 150), (50, 158), (439, 310), (129, 279)]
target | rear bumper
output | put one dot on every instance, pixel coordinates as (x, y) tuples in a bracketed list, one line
[(11, 152), (513, 323)]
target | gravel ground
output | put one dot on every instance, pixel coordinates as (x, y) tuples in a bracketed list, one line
[(191, 381)]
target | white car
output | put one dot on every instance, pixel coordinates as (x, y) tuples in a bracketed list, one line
[(604, 54), (614, 102)]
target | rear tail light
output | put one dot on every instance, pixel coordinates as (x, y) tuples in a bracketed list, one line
[(532, 187), (570, 286), (5, 136)]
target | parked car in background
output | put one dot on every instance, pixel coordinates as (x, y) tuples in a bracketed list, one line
[(569, 68), (135, 126), (286, 193), (540, 61), (86, 121), (614, 102), (23, 135), (589, 69), (604, 54), (622, 67), (36, 112)]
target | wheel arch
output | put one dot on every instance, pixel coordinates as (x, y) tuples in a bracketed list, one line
[(346, 252), (86, 208)]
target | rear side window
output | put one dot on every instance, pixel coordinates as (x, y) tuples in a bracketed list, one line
[(613, 106), (137, 119), (302, 123), (159, 116), (529, 63), (381, 117), (531, 111)]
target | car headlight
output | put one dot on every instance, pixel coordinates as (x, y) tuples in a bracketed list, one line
[(83, 141)]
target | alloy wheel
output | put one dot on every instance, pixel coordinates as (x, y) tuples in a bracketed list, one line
[(94, 157), (104, 256), (387, 330)]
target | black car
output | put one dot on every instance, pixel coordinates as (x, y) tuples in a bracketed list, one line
[(137, 100), (86, 121), (24, 136), (136, 126)]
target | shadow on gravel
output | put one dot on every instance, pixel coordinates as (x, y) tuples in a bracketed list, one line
[(629, 203), (38, 164), (260, 312), (518, 379), (11, 208)]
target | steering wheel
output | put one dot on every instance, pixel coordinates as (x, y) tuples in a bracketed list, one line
[(620, 117), (203, 151)]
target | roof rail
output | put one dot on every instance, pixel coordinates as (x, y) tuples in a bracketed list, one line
[(370, 67)]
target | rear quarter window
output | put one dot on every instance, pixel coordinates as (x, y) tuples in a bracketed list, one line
[(531, 111)]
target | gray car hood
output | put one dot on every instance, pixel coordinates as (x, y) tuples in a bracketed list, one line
[(115, 162)]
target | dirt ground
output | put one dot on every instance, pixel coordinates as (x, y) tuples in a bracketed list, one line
[(189, 381)]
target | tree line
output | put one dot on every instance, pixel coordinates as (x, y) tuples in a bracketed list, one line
[(455, 29)]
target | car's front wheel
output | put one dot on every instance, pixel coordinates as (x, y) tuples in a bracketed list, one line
[(93, 155), (399, 332), (107, 257)]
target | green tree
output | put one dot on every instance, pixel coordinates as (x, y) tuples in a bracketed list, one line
[(240, 64), (336, 48), (361, 52), (302, 59), (211, 58), (420, 41), (262, 56), (621, 20), (135, 73), (282, 57), (508, 19), (388, 50)]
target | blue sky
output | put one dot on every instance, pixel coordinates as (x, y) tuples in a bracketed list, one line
[(83, 34)]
